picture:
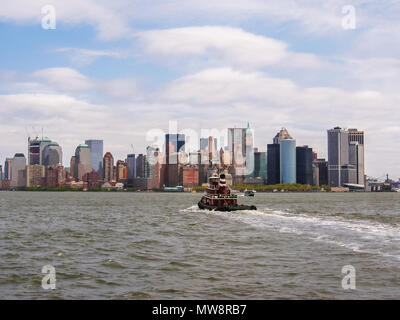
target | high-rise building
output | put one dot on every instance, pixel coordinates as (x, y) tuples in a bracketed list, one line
[(273, 164), (288, 160), (320, 172), (209, 151), (122, 172), (237, 148), (17, 164), (108, 167), (7, 169), (72, 166), (356, 154), (340, 169), (1, 173), (174, 145), (260, 165), (52, 155), (131, 166), (96, 151), (249, 152), (338, 155), (35, 150), (304, 165), (83, 162), (141, 166)]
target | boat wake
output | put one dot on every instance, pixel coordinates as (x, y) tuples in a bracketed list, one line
[(354, 234)]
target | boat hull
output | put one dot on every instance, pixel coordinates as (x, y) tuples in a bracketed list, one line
[(225, 208)]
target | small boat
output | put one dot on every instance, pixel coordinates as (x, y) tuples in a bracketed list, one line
[(249, 193), (218, 196)]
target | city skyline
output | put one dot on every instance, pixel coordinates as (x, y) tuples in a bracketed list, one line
[(118, 74)]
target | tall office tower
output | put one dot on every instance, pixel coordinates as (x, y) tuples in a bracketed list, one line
[(17, 164), (208, 148), (356, 154), (35, 150), (320, 172), (237, 149), (83, 161), (52, 154), (141, 166), (7, 169), (304, 165), (273, 164), (174, 144), (1, 173), (96, 151), (131, 166), (249, 151), (72, 166), (121, 170), (108, 167), (340, 171), (260, 165), (288, 161), (152, 158)]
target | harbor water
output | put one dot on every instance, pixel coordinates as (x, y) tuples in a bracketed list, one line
[(161, 246)]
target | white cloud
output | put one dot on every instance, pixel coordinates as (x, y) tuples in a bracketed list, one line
[(222, 45)]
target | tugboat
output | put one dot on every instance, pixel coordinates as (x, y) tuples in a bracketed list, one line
[(218, 196)]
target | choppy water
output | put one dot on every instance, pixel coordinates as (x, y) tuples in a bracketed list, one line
[(161, 246)]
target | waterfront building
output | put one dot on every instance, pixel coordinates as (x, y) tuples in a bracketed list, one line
[(72, 166), (131, 168), (273, 164), (83, 161), (208, 148), (1, 173), (320, 172), (56, 176), (249, 159), (35, 150), (343, 168), (52, 154), (122, 171), (190, 176), (108, 167), (92, 179), (96, 152), (304, 165), (17, 177), (35, 175), (174, 145), (288, 161), (237, 149), (356, 154), (7, 169), (141, 166), (260, 166)]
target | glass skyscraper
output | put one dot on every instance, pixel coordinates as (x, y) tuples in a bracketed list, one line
[(96, 150), (288, 160)]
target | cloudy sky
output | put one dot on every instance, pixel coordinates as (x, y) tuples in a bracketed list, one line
[(115, 70)]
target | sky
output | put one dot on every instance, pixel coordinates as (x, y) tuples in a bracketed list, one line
[(123, 70)]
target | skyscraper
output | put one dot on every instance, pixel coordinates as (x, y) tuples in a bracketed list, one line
[(131, 166), (356, 154), (340, 171), (237, 148), (96, 151), (304, 165), (52, 154), (83, 162), (249, 151), (288, 161), (260, 165), (35, 150), (174, 144), (108, 167), (17, 164), (273, 164)]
